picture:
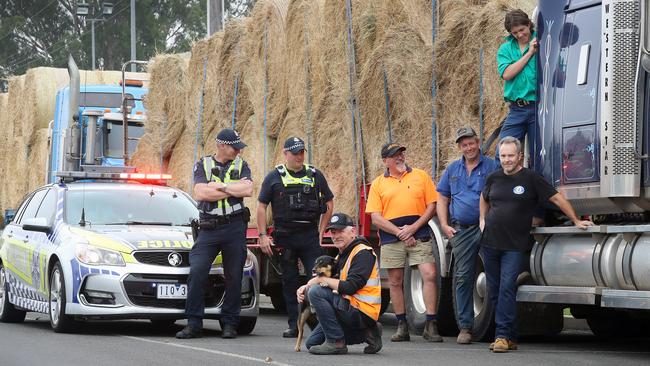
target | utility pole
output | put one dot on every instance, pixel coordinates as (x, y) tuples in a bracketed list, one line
[(215, 16), (133, 57)]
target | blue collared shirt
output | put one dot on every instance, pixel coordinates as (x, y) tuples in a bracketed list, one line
[(464, 191)]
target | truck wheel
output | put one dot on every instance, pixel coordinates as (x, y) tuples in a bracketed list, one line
[(615, 325), (414, 300), (60, 322), (8, 313), (483, 309)]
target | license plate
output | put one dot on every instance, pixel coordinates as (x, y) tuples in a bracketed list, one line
[(166, 291)]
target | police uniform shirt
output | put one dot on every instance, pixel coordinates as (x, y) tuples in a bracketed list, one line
[(513, 200), (272, 187), (199, 177)]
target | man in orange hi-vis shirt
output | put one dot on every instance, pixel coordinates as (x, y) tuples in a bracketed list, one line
[(401, 203)]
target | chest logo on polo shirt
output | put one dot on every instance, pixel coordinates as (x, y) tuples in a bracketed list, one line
[(518, 190)]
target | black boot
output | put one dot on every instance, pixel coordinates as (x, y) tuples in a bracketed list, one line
[(431, 331), (189, 332), (373, 338)]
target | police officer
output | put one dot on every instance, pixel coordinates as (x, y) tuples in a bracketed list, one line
[(221, 182), (301, 203)]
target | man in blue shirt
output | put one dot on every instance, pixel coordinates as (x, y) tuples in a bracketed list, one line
[(458, 211)]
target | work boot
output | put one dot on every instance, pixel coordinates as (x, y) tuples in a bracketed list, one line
[(512, 346), (329, 348), (290, 333), (500, 345), (402, 333), (430, 332), (464, 337), (373, 338), (229, 331), (189, 332)]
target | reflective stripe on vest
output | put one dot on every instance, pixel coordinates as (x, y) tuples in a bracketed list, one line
[(223, 206), (368, 298), (288, 179)]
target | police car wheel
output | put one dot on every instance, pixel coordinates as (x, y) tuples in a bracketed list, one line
[(8, 313), (59, 321)]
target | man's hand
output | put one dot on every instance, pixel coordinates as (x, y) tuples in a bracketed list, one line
[(406, 232), (410, 242), (265, 243), (448, 231), (300, 293), (533, 46), (583, 224)]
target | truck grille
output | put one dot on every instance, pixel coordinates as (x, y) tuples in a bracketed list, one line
[(162, 258), (141, 290)]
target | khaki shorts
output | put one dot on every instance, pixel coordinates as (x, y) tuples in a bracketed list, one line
[(394, 255)]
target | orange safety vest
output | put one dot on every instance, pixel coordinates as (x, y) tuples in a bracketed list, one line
[(368, 298)]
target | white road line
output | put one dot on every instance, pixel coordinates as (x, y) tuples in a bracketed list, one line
[(221, 353)]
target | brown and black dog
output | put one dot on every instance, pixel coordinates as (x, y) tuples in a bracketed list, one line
[(325, 266)]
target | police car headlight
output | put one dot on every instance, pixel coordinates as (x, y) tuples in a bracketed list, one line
[(92, 255)]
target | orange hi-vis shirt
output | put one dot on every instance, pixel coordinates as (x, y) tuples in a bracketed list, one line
[(406, 196)]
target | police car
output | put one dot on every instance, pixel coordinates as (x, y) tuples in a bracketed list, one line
[(108, 248)]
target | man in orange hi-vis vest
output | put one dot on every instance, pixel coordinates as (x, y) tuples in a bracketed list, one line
[(347, 307)]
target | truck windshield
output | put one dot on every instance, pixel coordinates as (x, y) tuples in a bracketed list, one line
[(114, 138), (154, 206), (104, 100)]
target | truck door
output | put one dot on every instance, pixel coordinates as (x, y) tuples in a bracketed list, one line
[(577, 110)]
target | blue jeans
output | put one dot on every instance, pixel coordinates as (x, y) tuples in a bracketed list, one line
[(519, 123), (230, 240), (303, 245), (465, 245), (501, 270), (337, 319)]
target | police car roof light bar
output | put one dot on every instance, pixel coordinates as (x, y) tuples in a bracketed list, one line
[(153, 178)]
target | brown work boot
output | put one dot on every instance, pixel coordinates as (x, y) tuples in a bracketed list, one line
[(402, 334), (512, 346), (430, 332), (464, 337)]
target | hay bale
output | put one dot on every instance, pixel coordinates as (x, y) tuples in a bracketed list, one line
[(15, 106), (166, 113), (466, 26), (17, 169), (266, 30), (37, 153), (406, 59), (252, 134)]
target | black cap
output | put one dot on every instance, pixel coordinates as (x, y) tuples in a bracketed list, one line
[(230, 137), (339, 221), (391, 149), (464, 131), (294, 144)]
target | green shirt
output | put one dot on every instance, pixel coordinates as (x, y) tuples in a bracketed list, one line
[(524, 85)]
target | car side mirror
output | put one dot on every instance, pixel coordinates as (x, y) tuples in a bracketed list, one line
[(39, 224)]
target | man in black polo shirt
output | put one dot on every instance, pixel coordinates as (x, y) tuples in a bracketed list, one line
[(301, 203), (507, 204)]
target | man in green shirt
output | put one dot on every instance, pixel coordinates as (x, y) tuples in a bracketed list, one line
[(517, 65)]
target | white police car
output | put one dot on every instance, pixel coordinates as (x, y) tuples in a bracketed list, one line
[(110, 249)]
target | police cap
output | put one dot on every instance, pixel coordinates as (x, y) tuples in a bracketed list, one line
[(230, 137)]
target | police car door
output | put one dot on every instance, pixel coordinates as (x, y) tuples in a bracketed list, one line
[(25, 258)]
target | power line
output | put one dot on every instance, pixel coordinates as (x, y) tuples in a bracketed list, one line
[(25, 61)]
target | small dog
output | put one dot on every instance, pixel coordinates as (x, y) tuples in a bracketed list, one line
[(324, 266)]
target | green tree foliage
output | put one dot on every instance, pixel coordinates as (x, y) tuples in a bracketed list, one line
[(44, 32)]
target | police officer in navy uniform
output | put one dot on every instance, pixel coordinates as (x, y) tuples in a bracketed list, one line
[(221, 182), (301, 205)]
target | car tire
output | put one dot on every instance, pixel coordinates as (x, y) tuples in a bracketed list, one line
[(246, 325), (59, 321), (8, 312)]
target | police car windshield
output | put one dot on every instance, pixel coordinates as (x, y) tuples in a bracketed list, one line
[(137, 206)]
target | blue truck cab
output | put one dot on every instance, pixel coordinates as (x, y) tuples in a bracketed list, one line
[(106, 99)]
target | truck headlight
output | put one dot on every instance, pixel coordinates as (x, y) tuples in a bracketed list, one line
[(92, 255)]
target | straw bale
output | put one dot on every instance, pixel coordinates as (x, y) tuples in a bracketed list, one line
[(268, 20), (165, 103), (466, 27), (37, 152), (253, 135), (224, 68), (15, 105), (406, 59), (17, 169), (4, 147)]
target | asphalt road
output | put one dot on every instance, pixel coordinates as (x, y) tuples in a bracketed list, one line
[(136, 343)]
